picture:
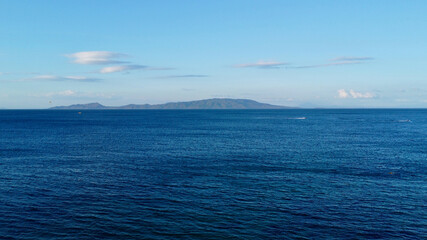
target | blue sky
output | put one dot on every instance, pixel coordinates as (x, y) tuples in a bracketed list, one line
[(298, 53)]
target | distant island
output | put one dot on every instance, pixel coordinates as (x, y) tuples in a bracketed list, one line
[(215, 103)]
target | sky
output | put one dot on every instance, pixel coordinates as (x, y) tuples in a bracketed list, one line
[(302, 53)]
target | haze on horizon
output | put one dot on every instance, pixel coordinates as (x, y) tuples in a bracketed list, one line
[(289, 53)]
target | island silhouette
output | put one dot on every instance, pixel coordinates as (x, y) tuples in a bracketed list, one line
[(214, 103)]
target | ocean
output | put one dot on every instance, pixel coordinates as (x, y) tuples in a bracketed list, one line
[(213, 174)]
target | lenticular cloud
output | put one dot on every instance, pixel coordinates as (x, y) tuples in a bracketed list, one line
[(96, 57)]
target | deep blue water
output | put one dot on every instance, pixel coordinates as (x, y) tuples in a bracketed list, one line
[(214, 174)]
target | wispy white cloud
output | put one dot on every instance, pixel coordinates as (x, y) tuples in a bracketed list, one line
[(262, 64), (66, 78), (105, 58), (342, 93), (121, 68), (96, 57), (76, 78), (45, 77), (65, 93)]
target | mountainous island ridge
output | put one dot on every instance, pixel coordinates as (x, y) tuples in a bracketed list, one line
[(214, 103)]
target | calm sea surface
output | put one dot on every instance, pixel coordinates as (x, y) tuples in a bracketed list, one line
[(214, 174)]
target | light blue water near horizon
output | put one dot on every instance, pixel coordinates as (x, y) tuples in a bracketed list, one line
[(213, 174)]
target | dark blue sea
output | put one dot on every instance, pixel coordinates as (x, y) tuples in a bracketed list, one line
[(213, 174)]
